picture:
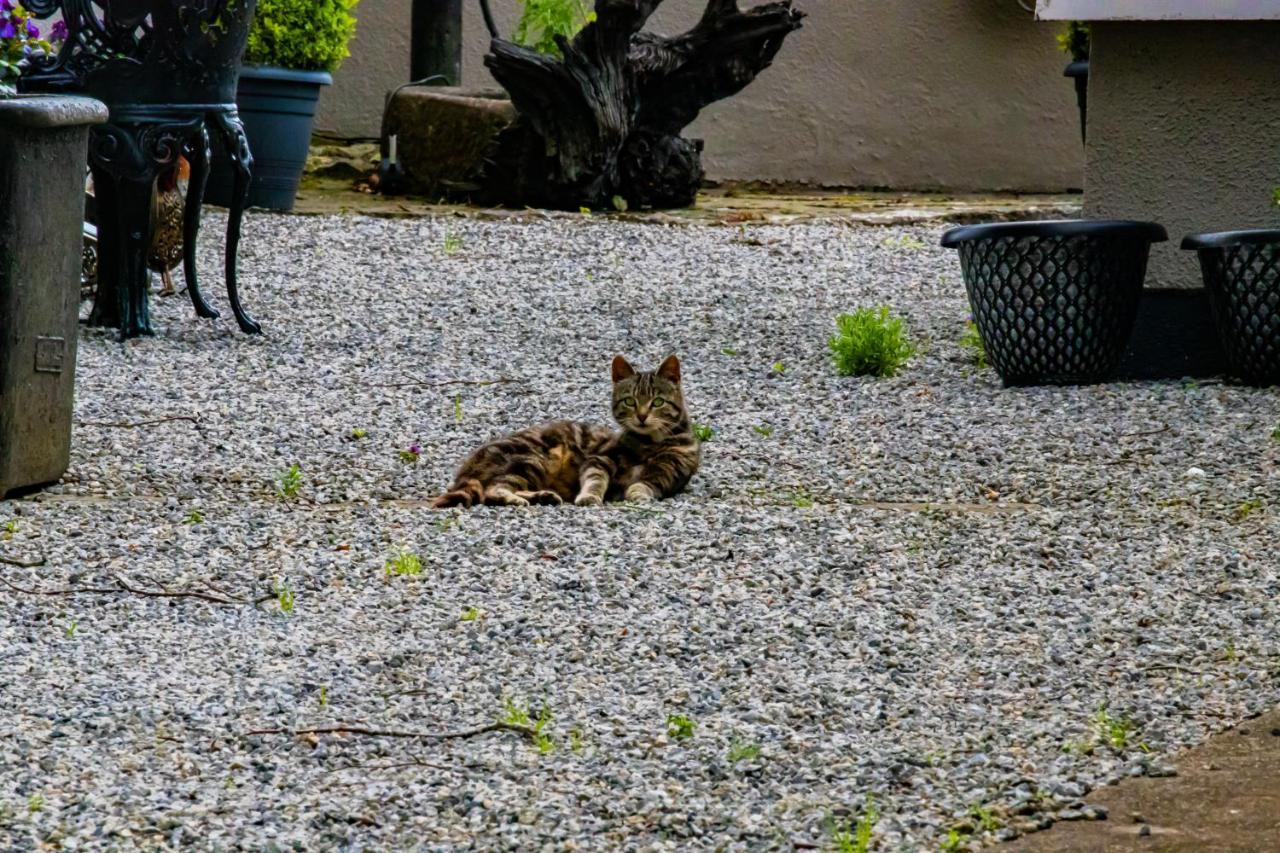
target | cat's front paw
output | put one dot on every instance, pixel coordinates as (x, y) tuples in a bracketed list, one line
[(640, 493), (586, 499)]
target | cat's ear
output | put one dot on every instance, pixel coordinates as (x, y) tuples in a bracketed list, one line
[(622, 369), (670, 370)]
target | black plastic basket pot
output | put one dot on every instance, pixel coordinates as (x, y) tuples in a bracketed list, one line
[(1054, 301), (1242, 274)]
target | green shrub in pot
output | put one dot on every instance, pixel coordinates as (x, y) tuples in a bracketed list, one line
[(294, 47), (302, 35)]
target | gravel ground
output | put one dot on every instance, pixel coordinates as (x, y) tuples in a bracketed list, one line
[(921, 589)]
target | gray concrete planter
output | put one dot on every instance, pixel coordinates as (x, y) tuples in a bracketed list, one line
[(278, 108), (43, 145)]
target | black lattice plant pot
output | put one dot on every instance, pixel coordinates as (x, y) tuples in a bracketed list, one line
[(1054, 302), (1241, 271)]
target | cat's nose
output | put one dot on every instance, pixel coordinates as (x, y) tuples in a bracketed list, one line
[(641, 417)]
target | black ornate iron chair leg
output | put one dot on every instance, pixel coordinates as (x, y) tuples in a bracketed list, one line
[(198, 154), (237, 146), (133, 207)]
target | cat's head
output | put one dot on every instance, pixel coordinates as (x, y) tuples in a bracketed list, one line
[(649, 403)]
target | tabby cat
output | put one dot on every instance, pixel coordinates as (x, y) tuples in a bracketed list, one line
[(653, 457)]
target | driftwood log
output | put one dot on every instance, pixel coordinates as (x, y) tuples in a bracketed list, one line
[(603, 122)]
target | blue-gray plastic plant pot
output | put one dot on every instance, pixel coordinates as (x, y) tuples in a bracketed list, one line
[(278, 107)]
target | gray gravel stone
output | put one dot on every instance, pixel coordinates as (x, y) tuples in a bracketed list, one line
[(921, 588)]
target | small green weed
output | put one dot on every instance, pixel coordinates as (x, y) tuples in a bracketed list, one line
[(971, 341), (801, 499), (869, 342), (729, 351), (679, 726), (411, 454), (703, 433), (1248, 508), (1275, 434), (35, 803), (742, 751), (324, 696), (457, 409), (1229, 653), (585, 211), (954, 842), (470, 614), (71, 629), (619, 204), (1114, 731), (763, 430), (779, 367), (359, 433), (452, 243), (289, 483), (193, 517), (904, 242), (284, 597), (575, 739), (404, 564), (10, 529), (985, 818), (858, 839), (517, 714)]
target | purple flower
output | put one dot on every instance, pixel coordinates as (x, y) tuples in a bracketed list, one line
[(7, 30), (32, 30), (415, 449), (6, 5), (59, 31)]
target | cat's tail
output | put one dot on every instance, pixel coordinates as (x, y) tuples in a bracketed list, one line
[(465, 493)]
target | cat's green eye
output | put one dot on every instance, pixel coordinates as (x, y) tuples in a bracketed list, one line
[(628, 402), (658, 402)]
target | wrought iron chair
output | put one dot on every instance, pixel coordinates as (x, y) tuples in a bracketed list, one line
[(167, 71)]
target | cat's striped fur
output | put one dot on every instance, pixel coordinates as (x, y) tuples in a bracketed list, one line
[(653, 457)]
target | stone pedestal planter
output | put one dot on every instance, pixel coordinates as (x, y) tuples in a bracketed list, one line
[(43, 141), (1054, 302), (1241, 270), (278, 108)]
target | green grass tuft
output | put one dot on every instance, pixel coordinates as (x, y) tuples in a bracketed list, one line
[(679, 726), (289, 483), (858, 839), (404, 564), (703, 433), (1114, 731), (284, 597), (869, 342), (971, 341), (741, 751)]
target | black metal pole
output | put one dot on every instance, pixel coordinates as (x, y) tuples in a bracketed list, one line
[(436, 45)]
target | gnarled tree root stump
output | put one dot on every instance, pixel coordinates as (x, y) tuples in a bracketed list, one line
[(603, 121)]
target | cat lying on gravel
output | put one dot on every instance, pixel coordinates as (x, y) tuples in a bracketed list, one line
[(653, 457)]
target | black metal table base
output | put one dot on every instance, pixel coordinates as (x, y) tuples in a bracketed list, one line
[(126, 156)]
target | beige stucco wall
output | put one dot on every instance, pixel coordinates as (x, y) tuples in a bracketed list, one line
[(931, 94), (1184, 129)]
